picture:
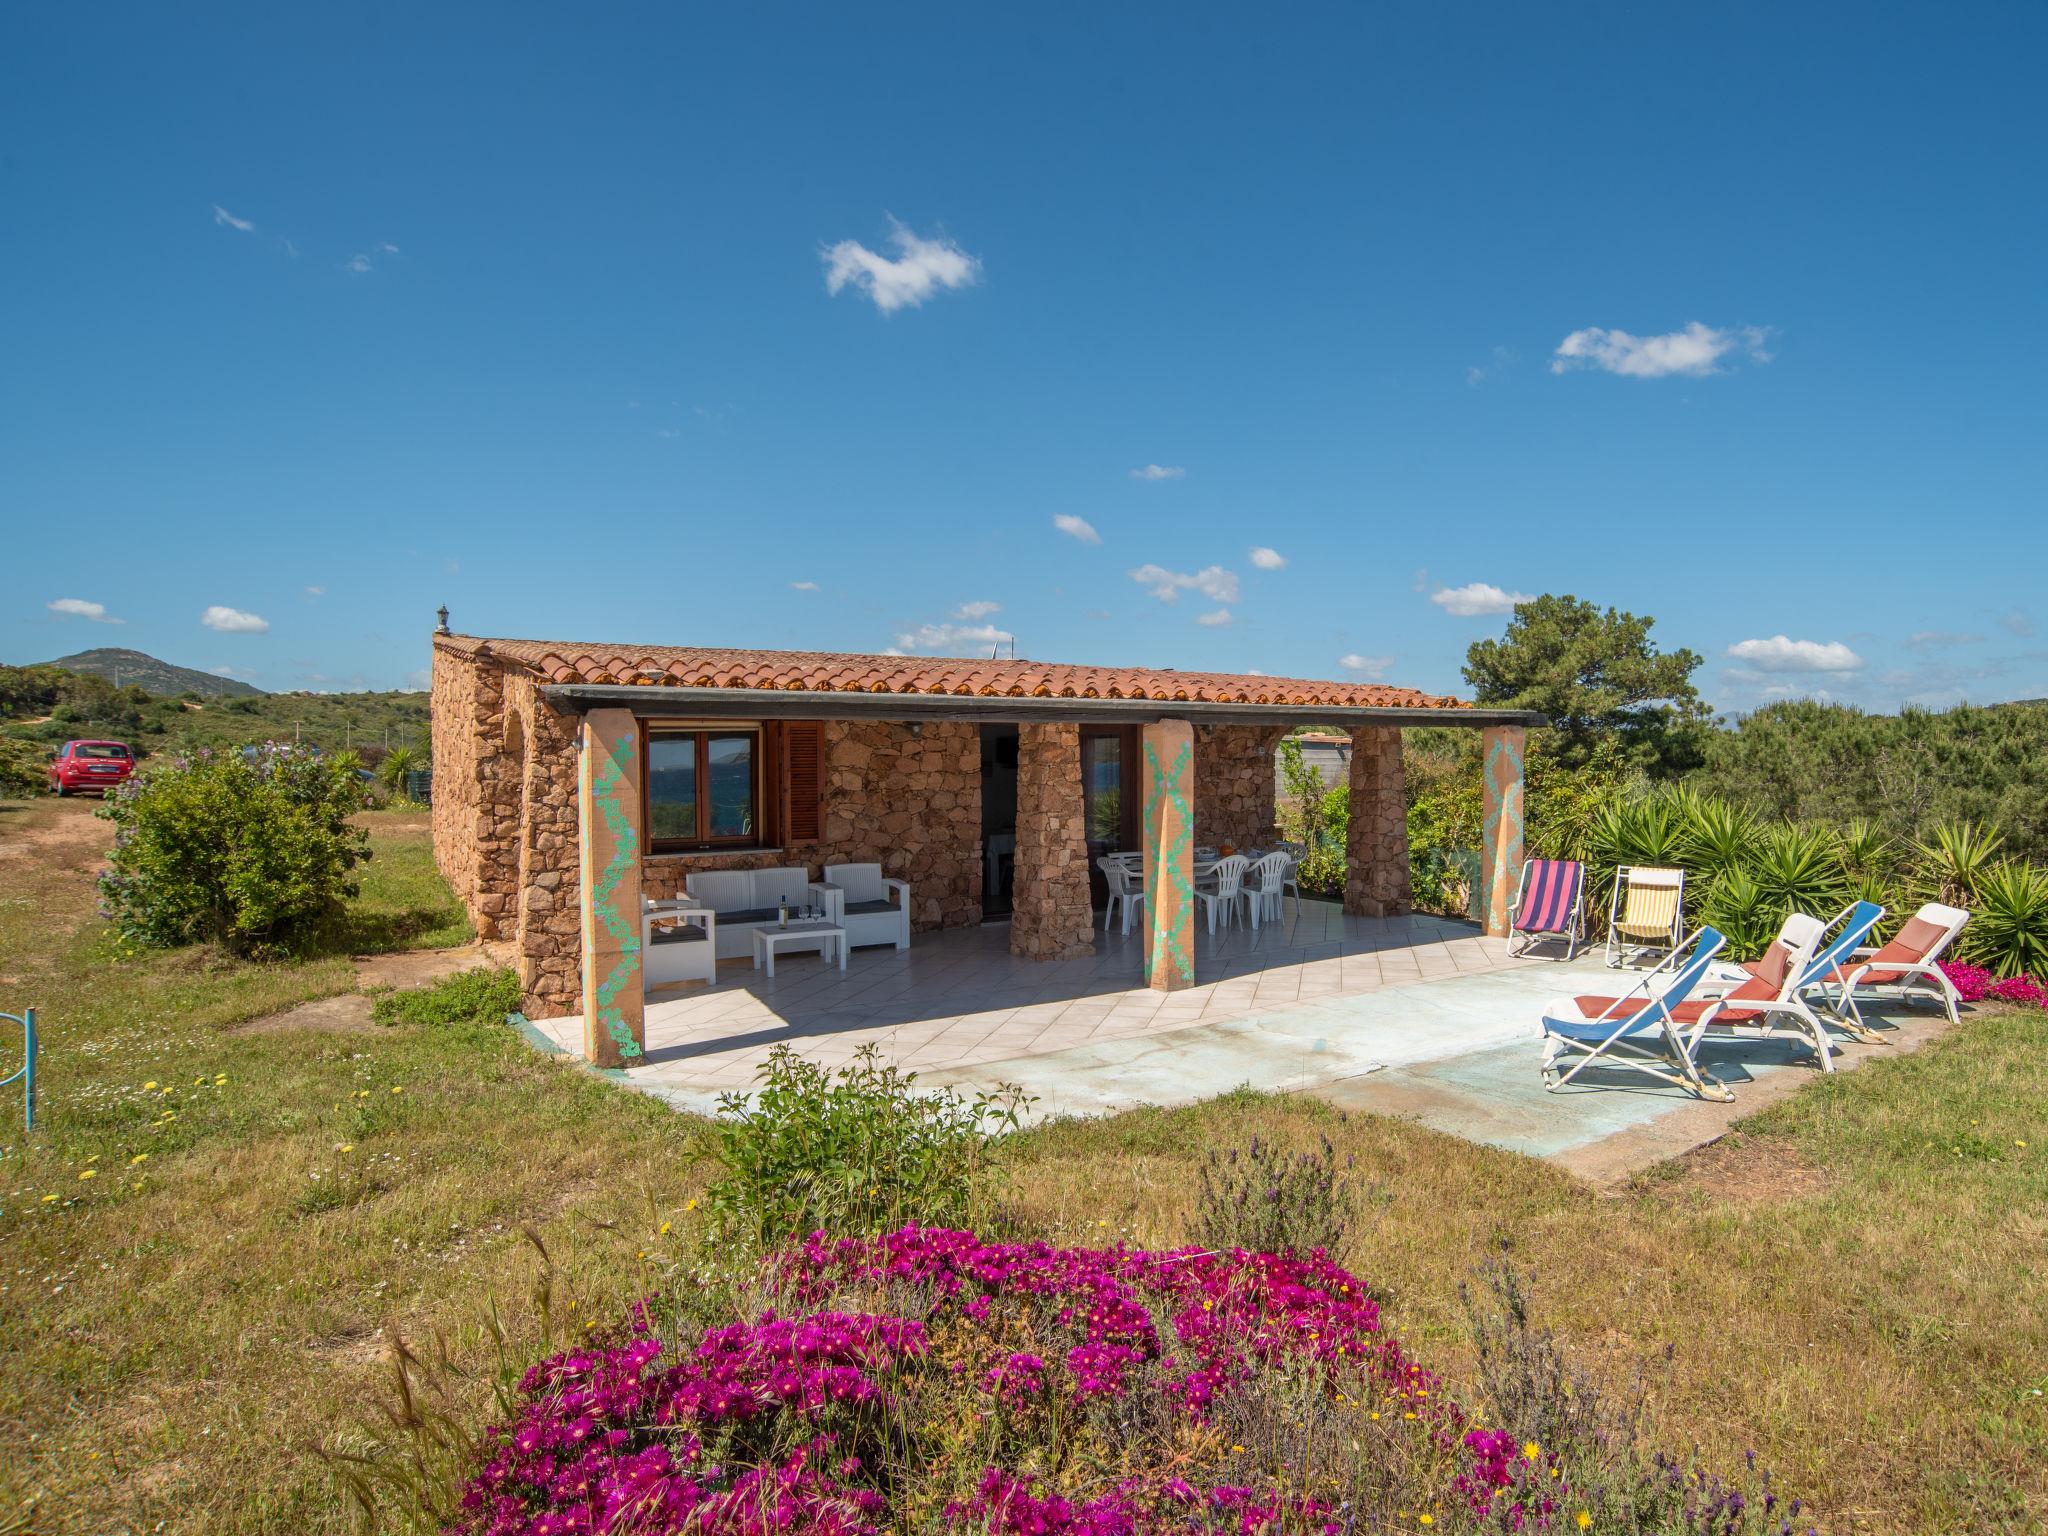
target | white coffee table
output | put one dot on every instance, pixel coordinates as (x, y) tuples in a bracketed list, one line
[(825, 938)]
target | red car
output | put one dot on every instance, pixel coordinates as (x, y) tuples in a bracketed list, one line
[(90, 765)]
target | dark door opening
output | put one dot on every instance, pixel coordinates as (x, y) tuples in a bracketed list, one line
[(998, 818), (1109, 796)]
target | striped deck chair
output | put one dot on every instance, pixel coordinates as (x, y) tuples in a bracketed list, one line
[(1550, 903), (1640, 1031), (1645, 912), (1897, 967)]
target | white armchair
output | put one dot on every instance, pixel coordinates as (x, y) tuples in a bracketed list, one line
[(678, 942), (858, 896)]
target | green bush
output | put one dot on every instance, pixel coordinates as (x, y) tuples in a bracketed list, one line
[(2008, 932), (22, 766), (484, 995), (252, 852), (853, 1153), (1264, 1200)]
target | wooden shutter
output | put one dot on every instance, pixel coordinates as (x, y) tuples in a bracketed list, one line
[(803, 756)]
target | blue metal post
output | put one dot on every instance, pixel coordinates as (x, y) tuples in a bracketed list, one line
[(27, 1074)]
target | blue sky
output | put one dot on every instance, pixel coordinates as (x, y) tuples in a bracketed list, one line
[(1333, 328)]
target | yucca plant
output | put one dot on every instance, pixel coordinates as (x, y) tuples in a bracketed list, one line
[(1864, 850), (1956, 857), (1736, 905), (2008, 931), (1795, 870), (1719, 837)]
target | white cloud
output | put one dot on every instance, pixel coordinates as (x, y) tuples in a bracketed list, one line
[(240, 674), (2020, 623), (1368, 668), (1215, 620), (1477, 597), (950, 639), (803, 586), (1076, 527), (1212, 581), (1501, 360), (1939, 640), (1268, 559), (1695, 351), (921, 268), (232, 621), (365, 261), (357, 264), (316, 591), (1781, 654), (1160, 472), (977, 610), (79, 608), (419, 680), (222, 217)]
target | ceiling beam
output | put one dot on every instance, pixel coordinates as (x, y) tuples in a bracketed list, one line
[(651, 701)]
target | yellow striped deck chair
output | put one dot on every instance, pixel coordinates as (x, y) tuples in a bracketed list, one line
[(1646, 912)]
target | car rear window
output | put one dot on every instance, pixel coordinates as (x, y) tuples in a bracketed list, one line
[(100, 749)]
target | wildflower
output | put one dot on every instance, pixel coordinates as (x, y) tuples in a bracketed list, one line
[(48, 1198), (1531, 1451), (664, 1230), (90, 1173), (140, 1157), (1583, 1519), (396, 1089), (150, 1086), (344, 1146)]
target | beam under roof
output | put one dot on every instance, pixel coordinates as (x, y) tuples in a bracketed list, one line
[(654, 701)]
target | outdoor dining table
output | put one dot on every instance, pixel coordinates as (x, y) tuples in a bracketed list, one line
[(1204, 868)]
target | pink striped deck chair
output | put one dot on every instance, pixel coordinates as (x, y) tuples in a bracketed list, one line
[(1549, 904)]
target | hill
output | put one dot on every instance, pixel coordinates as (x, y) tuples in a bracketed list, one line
[(135, 669)]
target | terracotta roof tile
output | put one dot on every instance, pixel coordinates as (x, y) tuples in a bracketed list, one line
[(557, 661)]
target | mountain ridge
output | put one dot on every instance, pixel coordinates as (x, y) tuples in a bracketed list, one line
[(151, 674)]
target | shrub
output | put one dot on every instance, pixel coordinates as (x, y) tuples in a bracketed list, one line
[(2009, 929), (928, 1380), (854, 1151), (1265, 1200), (22, 768), (484, 995), (253, 852)]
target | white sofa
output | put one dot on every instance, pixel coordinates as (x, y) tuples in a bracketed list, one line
[(746, 899), (678, 942), (861, 904)]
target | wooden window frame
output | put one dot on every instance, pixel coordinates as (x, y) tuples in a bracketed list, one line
[(758, 778)]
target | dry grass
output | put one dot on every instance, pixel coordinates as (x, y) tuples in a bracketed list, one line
[(1875, 1333)]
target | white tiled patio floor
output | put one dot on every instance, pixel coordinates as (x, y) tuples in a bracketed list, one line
[(960, 999)]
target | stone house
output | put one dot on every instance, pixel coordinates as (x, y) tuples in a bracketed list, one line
[(571, 781)]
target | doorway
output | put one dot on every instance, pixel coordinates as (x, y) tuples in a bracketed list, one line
[(1109, 797), (998, 820)]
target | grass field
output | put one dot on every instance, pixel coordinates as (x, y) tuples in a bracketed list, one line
[(203, 1243)]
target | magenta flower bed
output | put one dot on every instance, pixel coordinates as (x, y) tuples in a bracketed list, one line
[(926, 1378), (1974, 984)]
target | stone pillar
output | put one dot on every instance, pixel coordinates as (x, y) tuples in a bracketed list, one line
[(1051, 917), (1168, 786), (1376, 880), (608, 805), (1500, 834)]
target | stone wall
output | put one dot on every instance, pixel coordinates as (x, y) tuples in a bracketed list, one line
[(1051, 917), (1234, 771), (911, 803), (548, 878), (452, 702), (1376, 882)]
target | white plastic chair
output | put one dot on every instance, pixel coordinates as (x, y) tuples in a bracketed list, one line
[(1224, 887), (1267, 886), (1125, 886)]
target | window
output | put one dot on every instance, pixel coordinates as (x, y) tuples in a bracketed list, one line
[(703, 788)]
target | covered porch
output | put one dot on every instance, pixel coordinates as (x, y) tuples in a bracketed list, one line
[(1050, 977)]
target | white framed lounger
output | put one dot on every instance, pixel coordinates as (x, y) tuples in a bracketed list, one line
[(1907, 968), (1637, 1031)]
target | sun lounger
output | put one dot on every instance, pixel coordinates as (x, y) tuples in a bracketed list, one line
[(1647, 911), (1639, 1031), (1904, 966), (1550, 903)]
